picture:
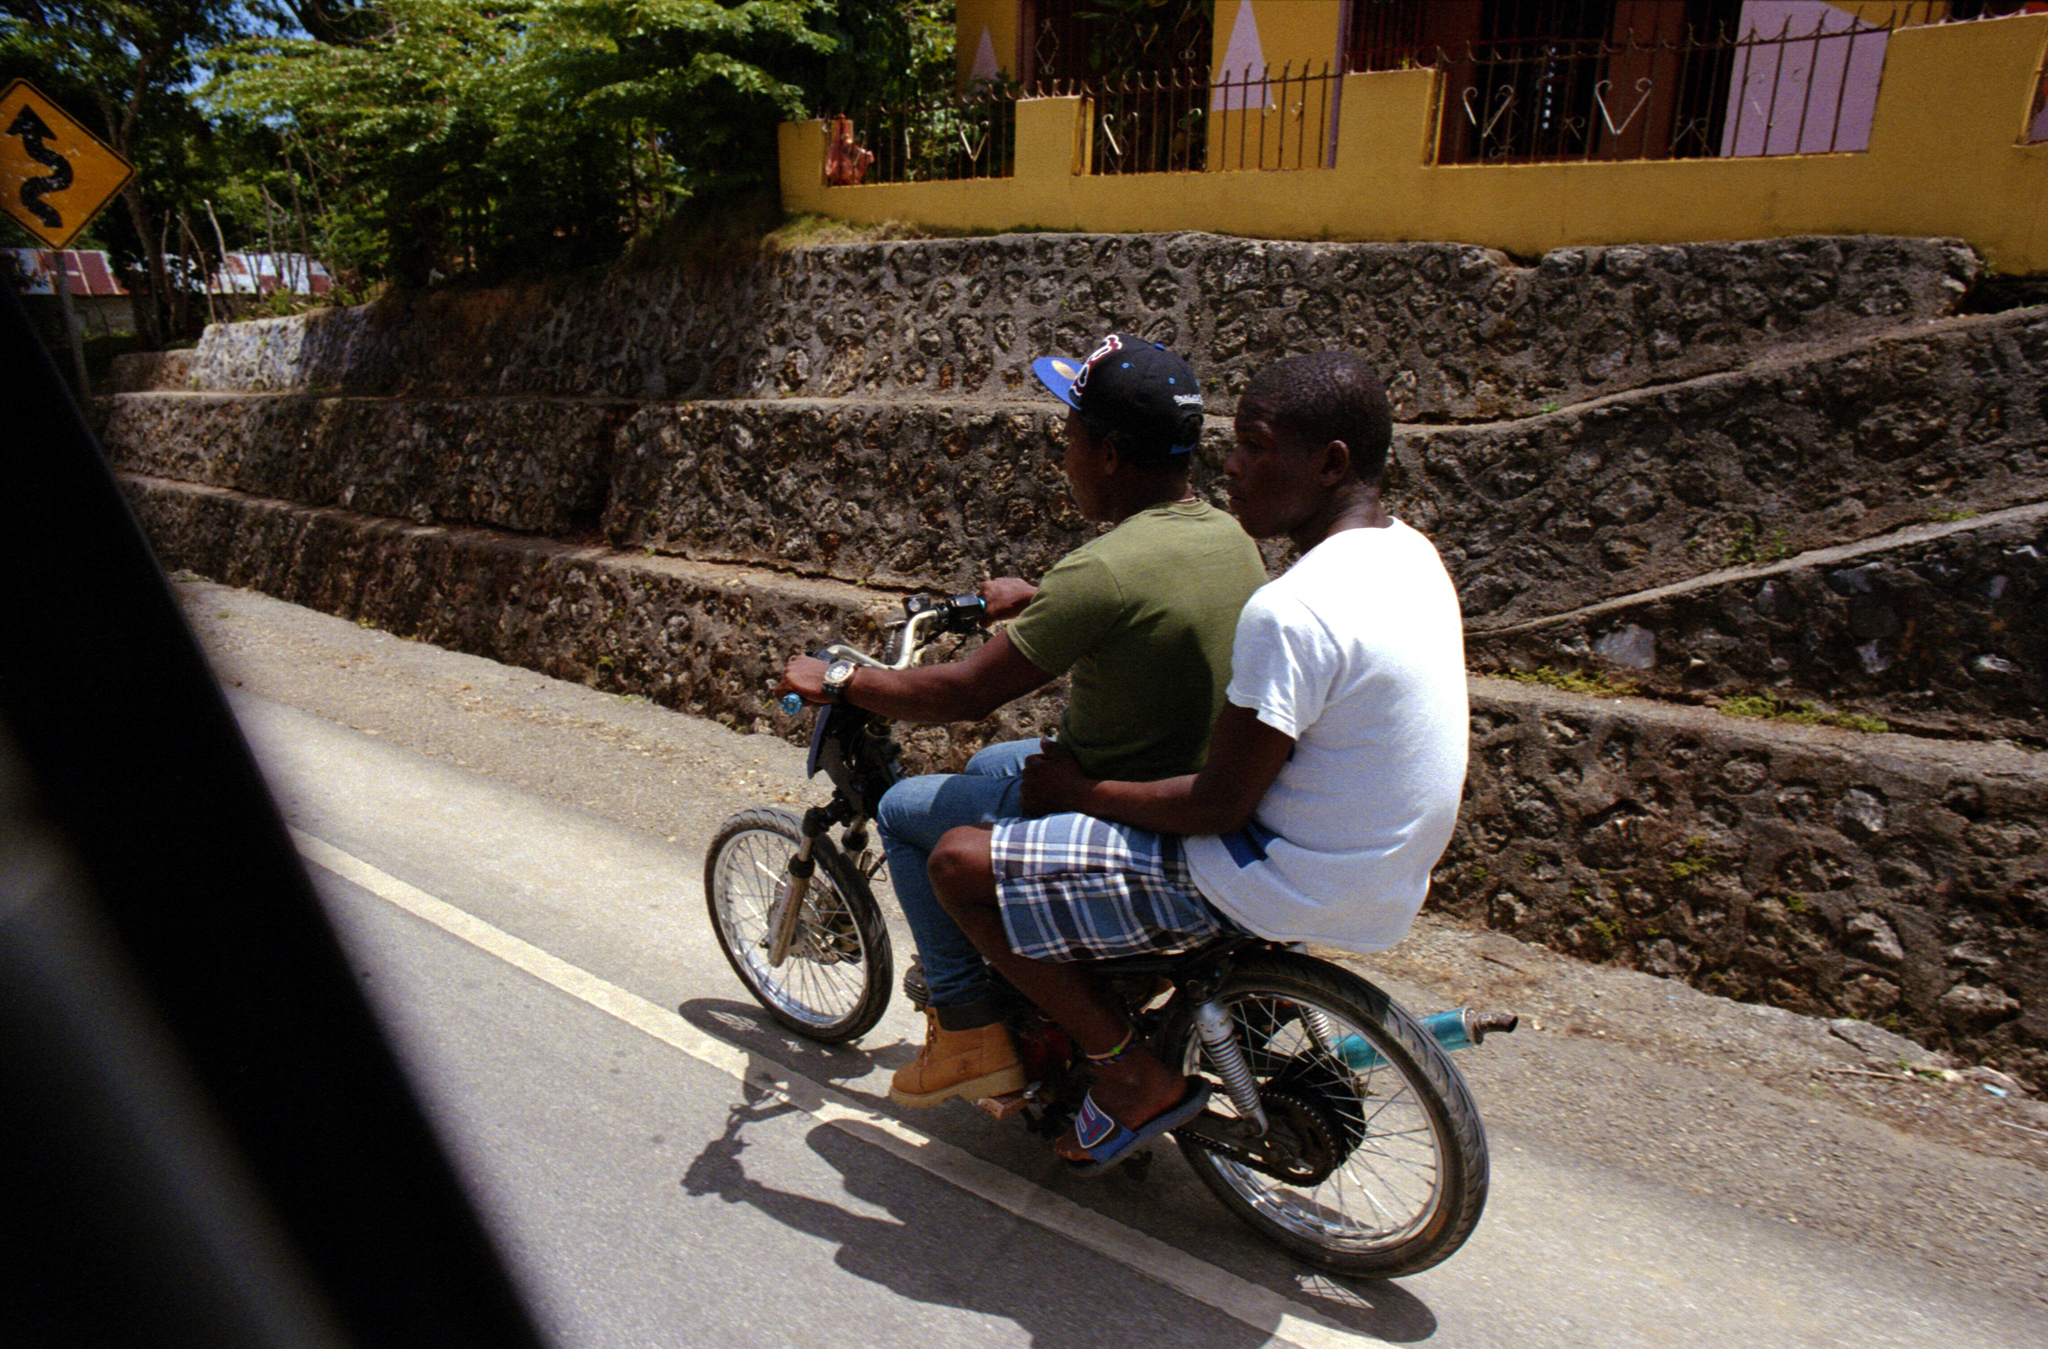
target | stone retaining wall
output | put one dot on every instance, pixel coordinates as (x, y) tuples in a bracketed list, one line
[(897, 494), (1941, 628), (1875, 876), (705, 639), (1899, 880), (1555, 512), (1716, 468), (534, 465), (1461, 332), (1536, 516)]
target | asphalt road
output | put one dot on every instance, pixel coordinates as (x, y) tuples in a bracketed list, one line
[(514, 865)]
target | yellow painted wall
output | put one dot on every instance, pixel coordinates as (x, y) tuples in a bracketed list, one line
[(1944, 159), (999, 17)]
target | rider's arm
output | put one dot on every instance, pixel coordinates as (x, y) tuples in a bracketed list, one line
[(961, 690), (1245, 755), (1005, 597)]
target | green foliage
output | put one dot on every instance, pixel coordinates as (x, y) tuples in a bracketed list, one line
[(496, 136), (1748, 545), (405, 140), (1765, 707), (1594, 684), (125, 70), (1127, 36), (1695, 862)]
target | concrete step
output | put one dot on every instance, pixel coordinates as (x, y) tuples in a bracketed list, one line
[(531, 464), (705, 638), (1937, 628), (1461, 333), (1536, 517), (144, 371), (1879, 876), (1851, 441)]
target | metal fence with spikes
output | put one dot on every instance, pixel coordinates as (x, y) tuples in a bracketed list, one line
[(974, 136), (1690, 95), (1686, 95), (1185, 122)]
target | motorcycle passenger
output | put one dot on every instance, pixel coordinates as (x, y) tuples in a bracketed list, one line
[(1331, 786), (1141, 617)]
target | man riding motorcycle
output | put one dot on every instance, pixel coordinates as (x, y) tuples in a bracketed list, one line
[(1140, 617)]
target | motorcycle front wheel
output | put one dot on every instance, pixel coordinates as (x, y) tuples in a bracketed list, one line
[(833, 983), (1388, 1162)]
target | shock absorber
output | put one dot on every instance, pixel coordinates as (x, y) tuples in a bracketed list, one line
[(1225, 1052), (785, 918)]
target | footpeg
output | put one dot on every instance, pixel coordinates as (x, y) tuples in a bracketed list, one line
[(1006, 1106)]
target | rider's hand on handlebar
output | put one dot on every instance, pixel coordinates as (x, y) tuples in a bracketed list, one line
[(1005, 597), (805, 677), (1053, 780)]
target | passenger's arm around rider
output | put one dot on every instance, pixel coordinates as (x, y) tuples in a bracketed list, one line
[(1245, 755)]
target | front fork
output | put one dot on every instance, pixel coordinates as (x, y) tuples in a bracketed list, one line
[(787, 915)]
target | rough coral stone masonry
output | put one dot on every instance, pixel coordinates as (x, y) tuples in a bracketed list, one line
[(1463, 332), (1650, 487), (532, 465), (1779, 467), (1943, 629), (1889, 878)]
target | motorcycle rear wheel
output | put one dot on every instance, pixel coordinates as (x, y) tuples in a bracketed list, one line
[(834, 982), (1399, 1143)]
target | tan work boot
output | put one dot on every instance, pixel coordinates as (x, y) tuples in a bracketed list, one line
[(965, 1063)]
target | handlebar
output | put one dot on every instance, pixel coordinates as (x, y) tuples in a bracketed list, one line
[(925, 616)]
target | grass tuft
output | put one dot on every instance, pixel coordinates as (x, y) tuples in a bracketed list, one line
[(1574, 681), (1764, 707)]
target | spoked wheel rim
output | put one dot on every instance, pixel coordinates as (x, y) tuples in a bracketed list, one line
[(1377, 1182), (823, 979)]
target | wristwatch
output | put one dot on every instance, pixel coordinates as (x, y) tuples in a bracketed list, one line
[(837, 676)]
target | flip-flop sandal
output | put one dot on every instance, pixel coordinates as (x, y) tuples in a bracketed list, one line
[(1106, 1142)]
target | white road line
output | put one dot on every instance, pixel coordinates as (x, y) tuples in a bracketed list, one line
[(1260, 1308)]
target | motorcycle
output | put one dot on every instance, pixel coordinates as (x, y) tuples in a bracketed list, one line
[(1341, 1130)]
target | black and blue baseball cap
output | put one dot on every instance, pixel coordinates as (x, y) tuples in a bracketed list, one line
[(1130, 385)]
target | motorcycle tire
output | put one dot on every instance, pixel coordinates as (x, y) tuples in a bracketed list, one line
[(833, 984), (1393, 1162)]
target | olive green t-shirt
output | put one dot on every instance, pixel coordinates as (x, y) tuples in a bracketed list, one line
[(1143, 617)]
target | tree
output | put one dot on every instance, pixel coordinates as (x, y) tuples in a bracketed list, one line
[(124, 70)]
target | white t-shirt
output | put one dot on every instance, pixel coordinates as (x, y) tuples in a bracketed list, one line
[(1358, 652)]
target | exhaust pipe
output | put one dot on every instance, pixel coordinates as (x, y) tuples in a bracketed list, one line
[(1459, 1028)]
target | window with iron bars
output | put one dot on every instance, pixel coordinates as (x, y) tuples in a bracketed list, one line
[(1143, 67), (1545, 80)]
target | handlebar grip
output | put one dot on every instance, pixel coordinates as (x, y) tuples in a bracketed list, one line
[(792, 703), (967, 612)]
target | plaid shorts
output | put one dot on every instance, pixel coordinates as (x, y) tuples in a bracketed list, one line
[(1073, 887)]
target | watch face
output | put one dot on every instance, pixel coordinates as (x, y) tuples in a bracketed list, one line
[(839, 672)]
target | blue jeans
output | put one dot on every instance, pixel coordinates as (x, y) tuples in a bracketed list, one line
[(912, 817)]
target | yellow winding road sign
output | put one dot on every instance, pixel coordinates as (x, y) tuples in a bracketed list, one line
[(54, 174)]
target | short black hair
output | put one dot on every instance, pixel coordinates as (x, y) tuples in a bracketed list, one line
[(1148, 448), (1324, 396)]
